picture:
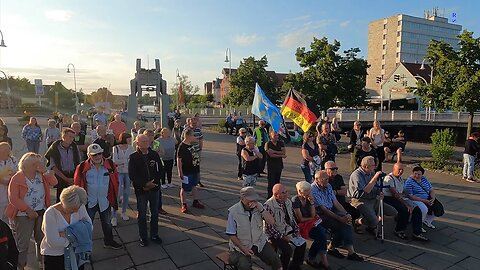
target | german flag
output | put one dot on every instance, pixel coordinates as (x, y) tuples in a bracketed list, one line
[(295, 108)]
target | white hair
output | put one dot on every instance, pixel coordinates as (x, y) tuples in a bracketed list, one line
[(73, 197), (303, 186)]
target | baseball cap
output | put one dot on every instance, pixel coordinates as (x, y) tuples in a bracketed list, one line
[(249, 193), (94, 149)]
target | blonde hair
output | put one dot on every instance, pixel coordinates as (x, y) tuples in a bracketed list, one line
[(73, 197), (165, 130), (249, 139), (303, 186), (28, 159)]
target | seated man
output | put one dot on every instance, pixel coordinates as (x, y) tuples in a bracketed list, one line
[(334, 217), (363, 194), (285, 229), (394, 196), (340, 190), (245, 228), (397, 146)]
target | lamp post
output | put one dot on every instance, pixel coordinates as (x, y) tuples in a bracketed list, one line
[(422, 67), (177, 77), (2, 42), (8, 88), (75, 84), (228, 59)]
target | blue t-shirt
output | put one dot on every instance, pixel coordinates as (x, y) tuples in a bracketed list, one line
[(421, 190)]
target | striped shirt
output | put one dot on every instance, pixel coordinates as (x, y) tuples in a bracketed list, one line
[(420, 190), (323, 196)]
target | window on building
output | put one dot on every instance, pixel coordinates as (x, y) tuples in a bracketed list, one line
[(384, 26), (398, 44), (398, 33), (384, 36), (398, 54), (399, 23), (384, 46), (383, 56), (383, 66)]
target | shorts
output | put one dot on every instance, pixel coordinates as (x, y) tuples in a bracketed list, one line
[(192, 181)]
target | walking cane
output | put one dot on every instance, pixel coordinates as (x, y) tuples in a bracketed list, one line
[(381, 187)]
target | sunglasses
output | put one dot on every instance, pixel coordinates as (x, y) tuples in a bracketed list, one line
[(333, 169), (94, 155)]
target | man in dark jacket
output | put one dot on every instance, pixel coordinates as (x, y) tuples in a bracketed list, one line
[(145, 169), (8, 248), (63, 157)]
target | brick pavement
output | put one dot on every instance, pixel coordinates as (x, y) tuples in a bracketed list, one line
[(191, 241)]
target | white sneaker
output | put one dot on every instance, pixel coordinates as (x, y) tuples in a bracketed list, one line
[(125, 216), (164, 186), (429, 224), (423, 230), (114, 222)]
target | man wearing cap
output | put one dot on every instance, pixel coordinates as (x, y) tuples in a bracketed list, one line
[(285, 229), (99, 177), (63, 157), (240, 146), (245, 228)]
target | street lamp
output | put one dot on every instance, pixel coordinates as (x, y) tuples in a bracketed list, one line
[(2, 43), (177, 77), (228, 59), (8, 88), (422, 67), (75, 84)]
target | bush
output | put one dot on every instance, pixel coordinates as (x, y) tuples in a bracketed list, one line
[(221, 125), (442, 147)]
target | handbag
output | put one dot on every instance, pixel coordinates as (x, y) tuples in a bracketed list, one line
[(437, 207), (306, 226)]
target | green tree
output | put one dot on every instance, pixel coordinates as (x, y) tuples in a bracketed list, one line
[(243, 82), (187, 88), (146, 100), (329, 78), (456, 79), (102, 95)]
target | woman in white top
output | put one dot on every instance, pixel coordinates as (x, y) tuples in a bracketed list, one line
[(377, 134), (8, 167), (57, 218), (120, 156), (29, 196)]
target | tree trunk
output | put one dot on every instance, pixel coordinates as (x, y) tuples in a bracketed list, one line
[(470, 123)]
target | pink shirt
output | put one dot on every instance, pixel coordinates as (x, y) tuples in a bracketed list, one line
[(118, 128)]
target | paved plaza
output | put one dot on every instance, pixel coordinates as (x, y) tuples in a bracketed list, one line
[(191, 241)]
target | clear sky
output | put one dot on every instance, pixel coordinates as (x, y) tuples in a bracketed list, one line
[(104, 38)]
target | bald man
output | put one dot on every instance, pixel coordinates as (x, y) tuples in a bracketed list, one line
[(285, 229)]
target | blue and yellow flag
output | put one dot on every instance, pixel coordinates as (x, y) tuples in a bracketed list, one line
[(266, 110)]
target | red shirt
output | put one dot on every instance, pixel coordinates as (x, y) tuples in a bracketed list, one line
[(118, 128)]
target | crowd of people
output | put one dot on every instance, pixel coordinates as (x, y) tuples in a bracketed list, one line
[(92, 173)]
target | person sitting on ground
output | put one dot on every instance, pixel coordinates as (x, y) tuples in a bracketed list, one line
[(310, 224), (420, 190), (245, 225), (229, 124), (366, 150), (397, 146), (365, 196), (394, 196), (340, 191), (472, 149), (285, 229), (69, 211), (250, 162), (334, 217)]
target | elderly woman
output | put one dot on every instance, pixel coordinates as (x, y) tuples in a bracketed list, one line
[(311, 156), (70, 210), (251, 157), (121, 156), (356, 135), (32, 134), (168, 143), (8, 167), (309, 223), (29, 196), (421, 192), (334, 217)]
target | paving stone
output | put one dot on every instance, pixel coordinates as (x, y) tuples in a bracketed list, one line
[(99, 253), (186, 222), (128, 233), (150, 253), (116, 263), (177, 252), (205, 237), (214, 250), (171, 234), (473, 239), (216, 203), (206, 265), (165, 264), (465, 248), (470, 263), (427, 261)]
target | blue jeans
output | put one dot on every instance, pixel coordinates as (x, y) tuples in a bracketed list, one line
[(105, 219), (342, 233), (307, 173), (33, 146), (468, 165), (123, 190), (319, 244), (142, 200)]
